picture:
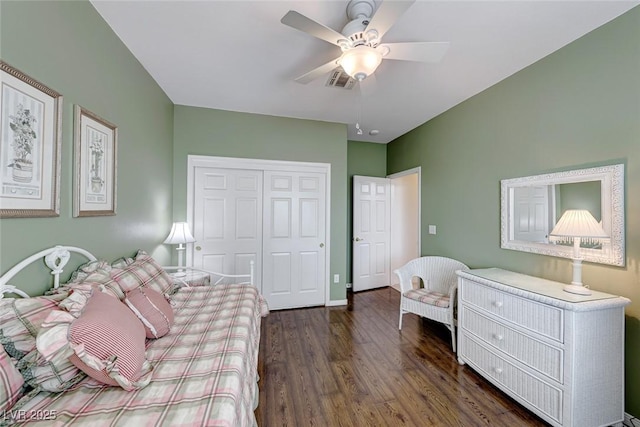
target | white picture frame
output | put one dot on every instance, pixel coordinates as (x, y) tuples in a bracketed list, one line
[(95, 165), (30, 129)]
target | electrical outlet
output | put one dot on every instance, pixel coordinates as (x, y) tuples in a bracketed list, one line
[(432, 229), (336, 278)]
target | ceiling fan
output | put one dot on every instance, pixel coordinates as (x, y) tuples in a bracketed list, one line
[(360, 40)]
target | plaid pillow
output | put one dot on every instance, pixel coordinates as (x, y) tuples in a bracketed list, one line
[(82, 272), (145, 272), (122, 262), (11, 382), (42, 374), (21, 321)]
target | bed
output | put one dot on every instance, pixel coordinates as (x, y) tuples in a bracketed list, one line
[(204, 368)]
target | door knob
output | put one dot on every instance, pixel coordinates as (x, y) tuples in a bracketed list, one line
[(357, 239), (322, 245), (198, 248)]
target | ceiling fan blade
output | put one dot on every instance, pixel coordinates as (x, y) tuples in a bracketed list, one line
[(431, 52), (386, 15), (308, 25), (317, 72)]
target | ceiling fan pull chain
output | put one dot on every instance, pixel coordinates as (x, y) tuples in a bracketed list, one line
[(358, 129)]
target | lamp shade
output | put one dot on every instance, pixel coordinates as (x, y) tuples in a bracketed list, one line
[(361, 61), (578, 223), (179, 234)]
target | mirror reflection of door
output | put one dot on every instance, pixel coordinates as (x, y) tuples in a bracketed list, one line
[(533, 213)]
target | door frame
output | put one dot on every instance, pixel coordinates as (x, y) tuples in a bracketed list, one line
[(418, 170), (194, 161)]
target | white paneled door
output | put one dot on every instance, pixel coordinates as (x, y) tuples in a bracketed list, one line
[(371, 232), (276, 218), (294, 239), (532, 212), (227, 210)]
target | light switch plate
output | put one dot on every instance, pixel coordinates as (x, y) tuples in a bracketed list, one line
[(432, 229), (336, 278)]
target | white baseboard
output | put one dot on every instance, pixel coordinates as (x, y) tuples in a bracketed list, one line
[(336, 302), (631, 421)]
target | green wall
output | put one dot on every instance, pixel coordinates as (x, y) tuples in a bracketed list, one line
[(68, 47), (576, 108), (579, 195), (203, 131), (366, 159)]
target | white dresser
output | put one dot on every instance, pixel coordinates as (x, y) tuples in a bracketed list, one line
[(560, 355)]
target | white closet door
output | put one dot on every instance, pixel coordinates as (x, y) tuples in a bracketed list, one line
[(227, 215), (371, 232), (294, 239)]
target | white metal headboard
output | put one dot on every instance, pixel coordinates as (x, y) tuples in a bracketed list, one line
[(217, 278), (55, 258)]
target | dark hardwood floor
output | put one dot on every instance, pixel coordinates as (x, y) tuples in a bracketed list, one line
[(350, 366)]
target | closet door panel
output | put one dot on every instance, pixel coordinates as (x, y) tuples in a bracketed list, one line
[(294, 218), (228, 220)]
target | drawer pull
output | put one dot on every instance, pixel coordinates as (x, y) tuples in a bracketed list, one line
[(497, 370), (498, 337), (498, 303)]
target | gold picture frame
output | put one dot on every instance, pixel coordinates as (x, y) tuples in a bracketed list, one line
[(95, 165), (30, 129)]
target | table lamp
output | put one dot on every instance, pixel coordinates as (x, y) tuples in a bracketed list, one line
[(179, 235), (577, 225)]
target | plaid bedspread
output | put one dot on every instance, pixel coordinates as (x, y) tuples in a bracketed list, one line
[(205, 370)]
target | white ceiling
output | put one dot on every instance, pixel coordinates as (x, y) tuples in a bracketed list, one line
[(237, 56)]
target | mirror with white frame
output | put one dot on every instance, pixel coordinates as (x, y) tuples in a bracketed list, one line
[(530, 207)]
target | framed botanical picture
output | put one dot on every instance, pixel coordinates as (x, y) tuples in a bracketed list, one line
[(95, 165), (30, 129)]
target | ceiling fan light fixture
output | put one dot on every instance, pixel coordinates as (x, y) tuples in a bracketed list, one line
[(360, 62)]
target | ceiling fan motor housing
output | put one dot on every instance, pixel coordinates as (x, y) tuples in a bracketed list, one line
[(360, 9), (359, 13)]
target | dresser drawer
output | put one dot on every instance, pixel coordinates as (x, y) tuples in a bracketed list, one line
[(544, 398), (537, 317), (542, 357)]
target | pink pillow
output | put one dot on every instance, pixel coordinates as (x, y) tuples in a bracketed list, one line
[(10, 382), (108, 342), (153, 310)]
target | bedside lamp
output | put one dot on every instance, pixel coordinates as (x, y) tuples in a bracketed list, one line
[(179, 235), (575, 225)]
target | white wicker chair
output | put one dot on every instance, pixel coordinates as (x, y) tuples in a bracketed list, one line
[(437, 300)]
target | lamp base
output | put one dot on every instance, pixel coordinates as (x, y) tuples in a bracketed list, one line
[(577, 289)]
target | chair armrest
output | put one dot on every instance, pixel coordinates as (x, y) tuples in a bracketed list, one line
[(405, 279)]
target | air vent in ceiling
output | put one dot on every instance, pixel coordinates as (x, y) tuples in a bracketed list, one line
[(338, 78)]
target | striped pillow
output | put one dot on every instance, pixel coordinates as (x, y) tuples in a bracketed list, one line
[(11, 382), (108, 342), (145, 272), (152, 309)]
